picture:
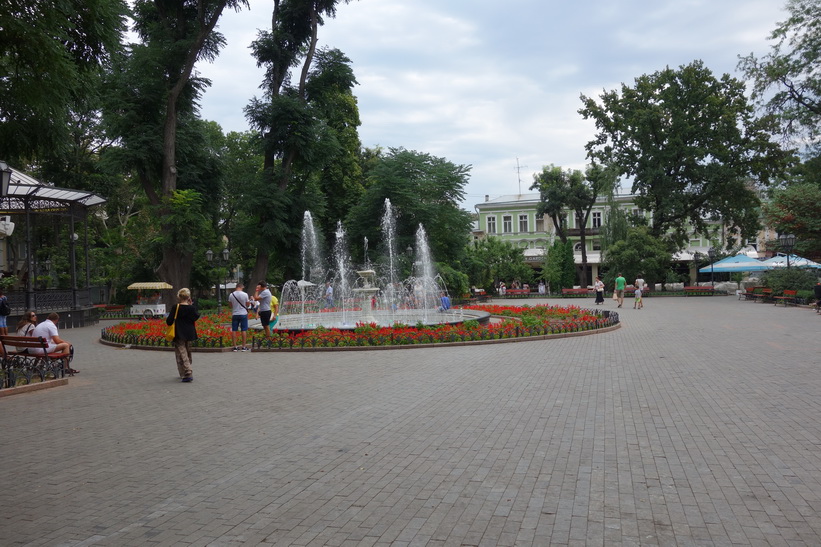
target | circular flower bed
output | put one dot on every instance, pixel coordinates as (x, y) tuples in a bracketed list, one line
[(516, 322)]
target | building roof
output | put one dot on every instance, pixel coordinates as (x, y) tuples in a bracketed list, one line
[(24, 189)]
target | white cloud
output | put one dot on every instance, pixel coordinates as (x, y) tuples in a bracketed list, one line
[(482, 83)]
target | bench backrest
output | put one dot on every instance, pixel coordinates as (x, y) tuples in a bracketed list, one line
[(21, 342), (789, 293)]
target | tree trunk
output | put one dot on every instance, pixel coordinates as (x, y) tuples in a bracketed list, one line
[(260, 270), (174, 269)]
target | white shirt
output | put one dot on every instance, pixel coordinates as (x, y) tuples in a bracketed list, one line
[(48, 330), (640, 283), (265, 300), (239, 302)]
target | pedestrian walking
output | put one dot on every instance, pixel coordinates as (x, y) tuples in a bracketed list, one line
[(184, 317)]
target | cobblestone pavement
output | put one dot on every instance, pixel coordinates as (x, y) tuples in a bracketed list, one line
[(697, 423)]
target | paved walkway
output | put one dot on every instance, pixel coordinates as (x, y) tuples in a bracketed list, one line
[(697, 423)]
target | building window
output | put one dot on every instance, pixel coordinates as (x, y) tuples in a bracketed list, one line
[(596, 219), (507, 224), (523, 229), (540, 223), (638, 212), (596, 245), (491, 225), (577, 247)]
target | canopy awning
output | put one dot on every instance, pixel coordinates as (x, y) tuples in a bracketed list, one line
[(25, 190), (737, 263), (151, 285), (780, 261)]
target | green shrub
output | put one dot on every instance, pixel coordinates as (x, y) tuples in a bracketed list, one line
[(797, 279)]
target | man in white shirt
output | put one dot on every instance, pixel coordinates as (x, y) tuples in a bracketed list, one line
[(54, 344), (268, 306), (239, 316)]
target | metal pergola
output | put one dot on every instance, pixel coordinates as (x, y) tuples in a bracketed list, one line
[(26, 196)]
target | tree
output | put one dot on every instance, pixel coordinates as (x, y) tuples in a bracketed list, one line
[(791, 69), (154, 93), (50, 53), (297, 139), (423, 189), (562, 190), (691, 145), (796, 209), (641, 253), (491, 260), (559, 268)]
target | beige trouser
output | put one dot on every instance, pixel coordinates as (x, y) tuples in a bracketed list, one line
[(182, 350)]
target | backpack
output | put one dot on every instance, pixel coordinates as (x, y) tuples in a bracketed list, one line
[(4, 306)]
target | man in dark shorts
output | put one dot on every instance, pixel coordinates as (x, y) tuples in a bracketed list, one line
[(267, 307)]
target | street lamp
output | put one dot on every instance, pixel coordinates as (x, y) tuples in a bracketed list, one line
[(712, 253), (697, 257), (209, 256), (787, 242)]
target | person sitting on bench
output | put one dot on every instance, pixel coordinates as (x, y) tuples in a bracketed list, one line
[(54, 344)]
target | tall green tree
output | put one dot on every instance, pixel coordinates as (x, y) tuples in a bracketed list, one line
[(575, 191), (641, 253), (292, 117), (153, 101), (786, 81), (692, 146), (796, 209), (491, 260), (559, 268), (50, 54), (423, 189)]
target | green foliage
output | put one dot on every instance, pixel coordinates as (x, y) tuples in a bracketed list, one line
[(691, 144), (423, 189), (575, 191), (455, 281), (491, 260), (786, 81), (559, 269), (641, 253), (50, 52), (796, 279), (797, 209)]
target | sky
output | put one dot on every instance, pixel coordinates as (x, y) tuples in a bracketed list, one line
[(496, 85)]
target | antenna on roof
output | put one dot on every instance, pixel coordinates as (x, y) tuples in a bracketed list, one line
[(519, 174)]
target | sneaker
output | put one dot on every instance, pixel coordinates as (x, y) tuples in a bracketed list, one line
[(235, 348), (245, 348), (188, 379)]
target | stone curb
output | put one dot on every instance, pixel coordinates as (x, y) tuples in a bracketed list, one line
[(6, 392)]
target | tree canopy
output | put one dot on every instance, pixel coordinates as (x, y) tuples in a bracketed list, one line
[(575, 191), (50, 52), (691, 145), (786, 81), (423, 189)]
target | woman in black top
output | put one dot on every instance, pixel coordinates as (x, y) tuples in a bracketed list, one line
[(185, 313)]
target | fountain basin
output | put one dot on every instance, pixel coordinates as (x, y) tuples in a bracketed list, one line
[(383, 318)]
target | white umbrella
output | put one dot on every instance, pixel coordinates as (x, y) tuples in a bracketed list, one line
[(780, 261)]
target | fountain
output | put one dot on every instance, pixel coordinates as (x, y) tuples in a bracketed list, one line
[(365, 295)]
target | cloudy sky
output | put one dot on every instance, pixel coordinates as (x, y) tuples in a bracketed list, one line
[(486, 83)]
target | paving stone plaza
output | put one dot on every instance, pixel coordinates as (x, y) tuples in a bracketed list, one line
[(696, 423)]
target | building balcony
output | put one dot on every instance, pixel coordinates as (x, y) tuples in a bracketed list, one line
[(575, 232)]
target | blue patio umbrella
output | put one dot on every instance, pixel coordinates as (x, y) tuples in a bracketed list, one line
[(737, 263)]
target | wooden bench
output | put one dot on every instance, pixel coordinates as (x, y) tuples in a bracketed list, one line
[(765, 295), (19, 363), (787, 298), (517, 293), (575, 293), (699, 291)]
